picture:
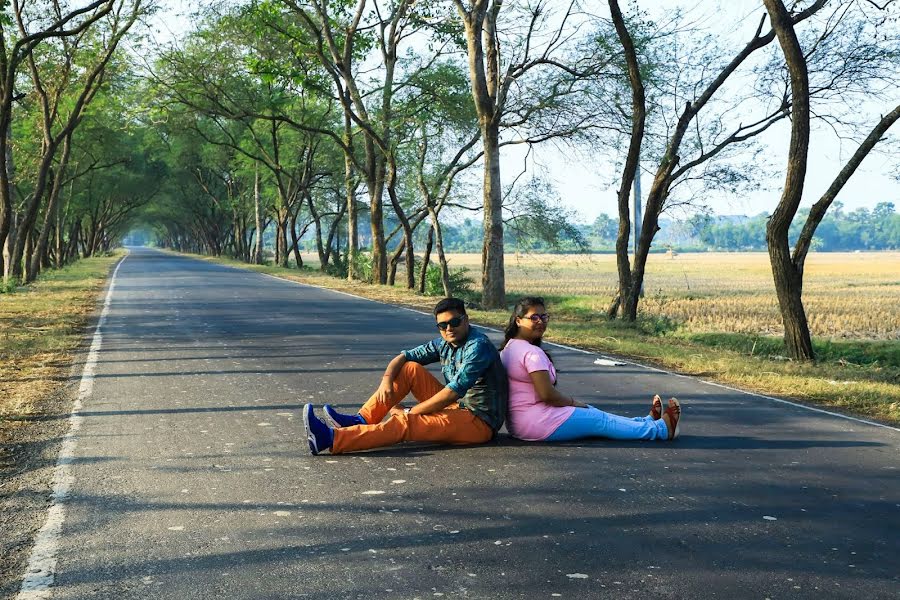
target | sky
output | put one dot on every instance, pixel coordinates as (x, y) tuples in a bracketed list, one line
[(585, 185), (588, 185)]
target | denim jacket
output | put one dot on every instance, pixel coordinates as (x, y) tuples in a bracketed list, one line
[(473, 370)]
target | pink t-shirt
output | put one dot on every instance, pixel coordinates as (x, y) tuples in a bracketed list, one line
[(529, 418)]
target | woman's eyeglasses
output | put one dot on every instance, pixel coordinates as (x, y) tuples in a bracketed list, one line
[(454, 322), (542, 318)]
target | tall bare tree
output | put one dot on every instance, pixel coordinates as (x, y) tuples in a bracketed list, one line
[(496, 78), (787, 266), (671, 169), (632, 158)]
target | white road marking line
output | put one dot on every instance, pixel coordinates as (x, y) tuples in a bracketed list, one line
[(628, 362), (42, 562), (813, 409)]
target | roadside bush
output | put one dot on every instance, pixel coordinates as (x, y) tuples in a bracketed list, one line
[(460, 282), (363, 264)]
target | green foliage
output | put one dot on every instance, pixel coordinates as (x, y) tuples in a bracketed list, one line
[(460, 281), (605, 228), (8, 287), (441, 97), (861, 229), (656, 325), (363, 263), (541, 221)]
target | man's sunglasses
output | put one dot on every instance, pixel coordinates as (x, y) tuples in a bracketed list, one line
[(543, 318), (454, 322)]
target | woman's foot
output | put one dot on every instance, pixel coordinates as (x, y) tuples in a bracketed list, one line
[(656, 408), (672, 418)]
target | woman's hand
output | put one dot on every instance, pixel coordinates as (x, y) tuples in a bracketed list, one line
[(548, 393)]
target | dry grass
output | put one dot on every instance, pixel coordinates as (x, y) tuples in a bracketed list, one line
[(846, 295), (40, 328)]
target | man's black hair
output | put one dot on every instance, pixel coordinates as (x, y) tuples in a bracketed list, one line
[(450, 304)]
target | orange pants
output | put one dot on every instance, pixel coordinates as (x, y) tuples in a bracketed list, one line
[(452, 425)]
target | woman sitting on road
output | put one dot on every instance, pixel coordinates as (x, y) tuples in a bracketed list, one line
[(539, 412)]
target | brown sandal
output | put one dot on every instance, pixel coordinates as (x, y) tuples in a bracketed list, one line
[(656, 408), (674, 421)]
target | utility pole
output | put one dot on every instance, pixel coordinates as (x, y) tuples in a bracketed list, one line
[(636, 217), (637, 213)]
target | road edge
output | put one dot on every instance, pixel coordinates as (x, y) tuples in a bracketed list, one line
[(40, 570)]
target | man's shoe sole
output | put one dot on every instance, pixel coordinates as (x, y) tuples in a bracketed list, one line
[(310, 438)]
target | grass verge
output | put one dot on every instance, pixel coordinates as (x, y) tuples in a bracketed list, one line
[(855, 377), (41, 326)]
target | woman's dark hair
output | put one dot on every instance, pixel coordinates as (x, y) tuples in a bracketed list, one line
[(512, 328)]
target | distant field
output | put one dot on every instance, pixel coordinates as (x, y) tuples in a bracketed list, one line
[(847, 295)]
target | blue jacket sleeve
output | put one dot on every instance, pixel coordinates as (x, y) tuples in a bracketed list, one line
[(477, 358), (425, 354)]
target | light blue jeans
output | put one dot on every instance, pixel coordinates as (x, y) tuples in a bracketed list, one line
[(593, 422)]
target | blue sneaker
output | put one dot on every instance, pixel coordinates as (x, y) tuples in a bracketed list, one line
[(337, 419), (319, 435)]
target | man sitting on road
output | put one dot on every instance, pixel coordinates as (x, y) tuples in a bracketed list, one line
[(468, 410)]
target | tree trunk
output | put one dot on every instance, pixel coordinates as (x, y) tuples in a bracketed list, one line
[(34, 266), (649, 228), (493, 279), (282, 251), (7, 172), (258, 249), (404, 222), (394, 261), (74, 238), (482, 47), (317, 221), (61, 258), (376, 213), (442, 258), (295, 239), (632, 160), (352, 216), (334, 230), (19, 249), (788, 282), (426, 258), (789, 288)]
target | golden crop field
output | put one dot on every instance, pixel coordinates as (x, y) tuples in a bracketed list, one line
[(846, 295)]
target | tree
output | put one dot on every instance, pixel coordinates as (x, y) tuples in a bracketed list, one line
[(554, 90), (17, 44), (242, 87), (787, 266), (605, 228), (671, 170), (627, 281), (51, 90), (336, 51), (444, 134)]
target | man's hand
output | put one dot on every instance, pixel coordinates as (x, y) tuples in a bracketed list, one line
[(386, 387), (385, 390), (439, 401)]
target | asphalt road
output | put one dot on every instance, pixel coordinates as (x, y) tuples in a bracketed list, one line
[(191, 477)]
